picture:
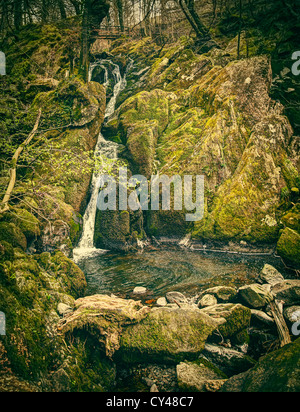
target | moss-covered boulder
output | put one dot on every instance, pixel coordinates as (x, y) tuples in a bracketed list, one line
[(237, 317), (12, 234), (288, 246), (276, 372), (167, 335), (103, 317)]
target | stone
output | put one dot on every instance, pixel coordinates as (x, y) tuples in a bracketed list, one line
[(222, 293), (255, 295), (278, 371), (214, 385), (288, 291), (292, 314), (192, 377), (237, 317), (207, 300), (270, 275), (167, 335), (161, 302), (228, 360), (262, 317), (154, 388), (64, 309), (139, 290)]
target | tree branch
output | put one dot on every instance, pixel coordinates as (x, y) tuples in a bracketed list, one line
[(13, 171)]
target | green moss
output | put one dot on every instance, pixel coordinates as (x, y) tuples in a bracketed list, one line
[(288, 246), (10, 233)]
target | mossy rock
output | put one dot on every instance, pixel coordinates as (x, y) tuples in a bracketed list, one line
[(278, 371), (288, 246), (167, 335), (6, 251), (12, 234), (27, 222), (237, 317)]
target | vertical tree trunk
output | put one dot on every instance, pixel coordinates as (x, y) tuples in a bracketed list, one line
[(121, 14), (62, 9), (85, 43), (18, 14)]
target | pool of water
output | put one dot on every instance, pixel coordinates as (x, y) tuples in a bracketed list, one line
[(161, 271)]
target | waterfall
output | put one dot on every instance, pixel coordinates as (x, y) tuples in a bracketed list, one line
[(104, 150)]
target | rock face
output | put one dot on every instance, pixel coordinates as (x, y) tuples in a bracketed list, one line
[(167, 335), (277, 372), (212, 115)]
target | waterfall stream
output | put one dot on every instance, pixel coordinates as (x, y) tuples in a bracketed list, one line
[(104, 150)]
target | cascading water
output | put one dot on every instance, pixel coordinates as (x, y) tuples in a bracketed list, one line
[(104, 150)]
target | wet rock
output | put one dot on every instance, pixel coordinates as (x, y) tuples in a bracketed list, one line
[(222, 293), (167, 335), (278, 371), (287, 291), (193, 377), (292, 314), (237, 317), (262, 317), (207, 300), (255, 295), (104, 317), (139, 290), (161, 302), (228, 360), (270, 275)]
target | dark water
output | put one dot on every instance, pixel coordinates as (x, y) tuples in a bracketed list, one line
[(161, 271)]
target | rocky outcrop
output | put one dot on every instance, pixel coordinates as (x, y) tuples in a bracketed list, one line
[(212, 115), (276, 372)]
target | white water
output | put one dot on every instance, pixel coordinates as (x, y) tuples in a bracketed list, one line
[(104, 150)]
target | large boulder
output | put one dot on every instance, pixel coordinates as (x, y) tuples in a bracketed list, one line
[(167, 335), (288, 246), (237, 317), (103, 317), (278, 371)]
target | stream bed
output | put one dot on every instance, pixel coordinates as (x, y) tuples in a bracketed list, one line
[(169, 269)]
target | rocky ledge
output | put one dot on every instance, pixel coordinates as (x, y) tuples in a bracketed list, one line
[(217, 341)]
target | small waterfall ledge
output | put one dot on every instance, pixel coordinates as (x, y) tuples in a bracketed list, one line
[(104, 150)]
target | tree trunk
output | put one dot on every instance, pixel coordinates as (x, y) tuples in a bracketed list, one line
[(188, 8), (121, 14), (13, 171), (62, 9), (18, 14), (85, 44)]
